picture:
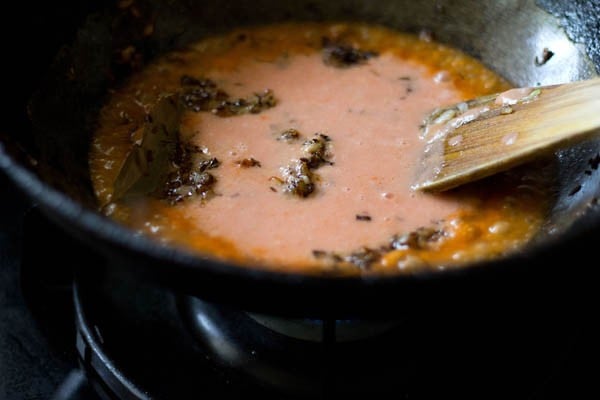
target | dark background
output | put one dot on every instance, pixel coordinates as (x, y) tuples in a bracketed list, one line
[(32, 363)]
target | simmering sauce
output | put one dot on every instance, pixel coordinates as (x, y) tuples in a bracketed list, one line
[(308, 138)]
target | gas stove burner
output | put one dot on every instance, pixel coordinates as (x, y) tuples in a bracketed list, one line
[(243, 354), (319, 330), (132, 344), (139, 341), (310, 357), (107, 379)]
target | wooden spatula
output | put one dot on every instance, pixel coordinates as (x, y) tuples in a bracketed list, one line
[(480, 137)]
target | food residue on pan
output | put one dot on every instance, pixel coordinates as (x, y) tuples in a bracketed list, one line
[(295, 152)]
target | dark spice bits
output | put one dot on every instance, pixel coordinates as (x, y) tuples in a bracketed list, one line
[(319, 253), (204, 95), (408, 89), (298, 178), (363, 217), (421, 239), (248, 163), (210, 163), (417, 240), (190, 176), (325, 255), (253, 104), (289, 135), (201, 94), (180, 185), (343, 55), (316, 150), (364, 258)]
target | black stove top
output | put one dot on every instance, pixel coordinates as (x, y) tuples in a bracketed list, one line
[(66, 337), (36, 339)]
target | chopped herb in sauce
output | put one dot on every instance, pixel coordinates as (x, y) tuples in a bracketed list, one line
[(190, 176), (298, 177), (210, 163), (253, 104), (316, 150), (187, 184), (204, 95), (201, 94), (289, 135), (364, 257), (342, 55), (329, 256), (420, 239), (248, 163)]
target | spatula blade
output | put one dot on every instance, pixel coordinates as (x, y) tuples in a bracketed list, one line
[(502, 136)]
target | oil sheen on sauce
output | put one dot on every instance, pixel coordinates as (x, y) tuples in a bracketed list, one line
[(360, 92)]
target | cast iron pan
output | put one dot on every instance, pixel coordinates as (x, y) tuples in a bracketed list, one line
[(61, 74)]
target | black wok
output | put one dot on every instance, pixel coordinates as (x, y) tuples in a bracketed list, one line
[(58, 78)]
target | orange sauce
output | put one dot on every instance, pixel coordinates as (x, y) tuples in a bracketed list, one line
[(360, 217)]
